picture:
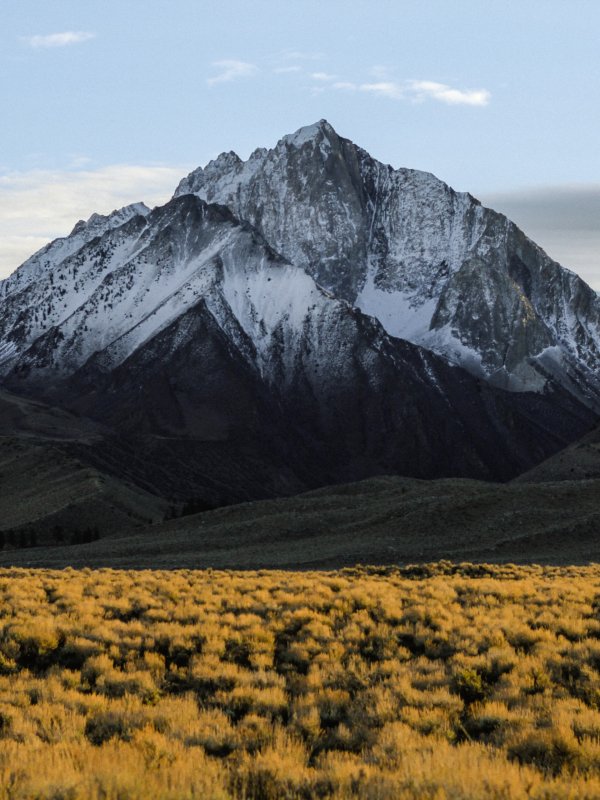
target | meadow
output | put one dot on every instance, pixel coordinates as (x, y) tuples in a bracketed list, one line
[(434, 681)]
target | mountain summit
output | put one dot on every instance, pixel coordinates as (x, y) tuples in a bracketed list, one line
[(305, 317), (431, 264)]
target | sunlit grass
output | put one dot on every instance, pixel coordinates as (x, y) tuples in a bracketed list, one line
[(425, 682)]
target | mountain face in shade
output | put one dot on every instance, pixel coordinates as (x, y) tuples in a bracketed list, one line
[(227, 352), (431, 264)]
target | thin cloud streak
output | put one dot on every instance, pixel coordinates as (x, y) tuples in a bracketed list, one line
[(300, 55), (446, 94), (382, 85), (232, 69), (417, 91), (384, 89), (323, 76), (63, 39)]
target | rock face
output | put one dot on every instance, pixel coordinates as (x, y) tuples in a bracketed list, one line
[(432, 265), (236, 350)]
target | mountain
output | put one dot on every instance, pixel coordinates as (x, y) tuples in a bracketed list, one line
[(222, 356), (184, 327), (431, 264), (59, 250)]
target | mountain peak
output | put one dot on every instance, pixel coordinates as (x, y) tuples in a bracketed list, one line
[(432, 265), (228, 166), (309, 133), (224, 161), (117, 216)]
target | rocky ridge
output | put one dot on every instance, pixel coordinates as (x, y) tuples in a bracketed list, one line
[(431, 264)]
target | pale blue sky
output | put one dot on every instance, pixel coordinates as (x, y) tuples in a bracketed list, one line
[(109, 102)]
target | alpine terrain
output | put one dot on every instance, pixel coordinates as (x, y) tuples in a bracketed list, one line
[(307, 317), (432, 265)]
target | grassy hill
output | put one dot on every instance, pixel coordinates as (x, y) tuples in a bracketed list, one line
[(387, 520), (578, 461), (48, 491)]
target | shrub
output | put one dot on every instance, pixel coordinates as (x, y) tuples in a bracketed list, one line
[(106, 725), (442, 681), (469, 685)]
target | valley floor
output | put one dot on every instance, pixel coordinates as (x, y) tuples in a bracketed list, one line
[(432, 681)]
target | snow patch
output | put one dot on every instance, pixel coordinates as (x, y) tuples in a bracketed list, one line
[(446, 343), (402, 315), (305, 134)]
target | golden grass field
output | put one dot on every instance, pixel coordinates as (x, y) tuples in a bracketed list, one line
[(426, 682)]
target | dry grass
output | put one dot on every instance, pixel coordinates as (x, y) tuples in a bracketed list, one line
[(427, 682)]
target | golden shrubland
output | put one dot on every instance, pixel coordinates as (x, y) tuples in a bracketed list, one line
[(429, 682)]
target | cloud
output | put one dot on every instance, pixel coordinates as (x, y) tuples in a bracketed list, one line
[(406, 90), (231, 69), (300, 55), (446, 94), (39, 205), (384, 89), (382, 83), (564, 220), (280, 62), (59, 39), (323, 76)]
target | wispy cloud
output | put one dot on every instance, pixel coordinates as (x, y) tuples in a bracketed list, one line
[(39, 205), (379, 81), (384, 89), (323, 76), (417, 91), (300, 55), (231, 69), (424, 90), (59, 39), (283, 61)]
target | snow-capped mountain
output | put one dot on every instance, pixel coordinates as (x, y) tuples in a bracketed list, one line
[(431, 264), (233, 353), (45, 260)]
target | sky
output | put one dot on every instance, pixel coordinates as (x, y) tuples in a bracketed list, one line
[(103, 104)]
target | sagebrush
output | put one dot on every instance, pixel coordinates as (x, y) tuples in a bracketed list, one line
[(437, 682)]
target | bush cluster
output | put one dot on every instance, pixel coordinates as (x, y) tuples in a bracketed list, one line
[(437, 681)]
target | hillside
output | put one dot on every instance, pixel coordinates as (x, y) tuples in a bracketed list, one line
[(578, 461), (386, 520)]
